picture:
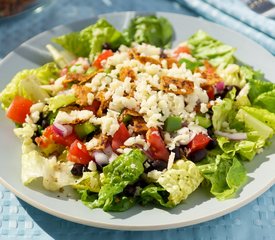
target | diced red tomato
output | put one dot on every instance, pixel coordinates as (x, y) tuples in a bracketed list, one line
[(94, 107), (103, 56), (182, 49), (210, 90), (78, 153), (157, 146), (50, 136), (200, 141), (120, 136), (19, 109)]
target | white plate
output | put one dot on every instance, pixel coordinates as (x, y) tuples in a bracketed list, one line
[(200, 206)]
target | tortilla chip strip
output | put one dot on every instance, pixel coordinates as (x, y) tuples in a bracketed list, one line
[(127, 72), (103, 141), (139, 125), (210, 75), (184, 87), (81, 78), (143, 59), (130, 112), (81, 92), (104, 103)]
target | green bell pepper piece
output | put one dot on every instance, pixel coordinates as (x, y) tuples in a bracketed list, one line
[(172, 124), (203, 121), (83, 129)]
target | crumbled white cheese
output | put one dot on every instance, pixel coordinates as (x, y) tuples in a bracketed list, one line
[(139, 140), (73, 116)]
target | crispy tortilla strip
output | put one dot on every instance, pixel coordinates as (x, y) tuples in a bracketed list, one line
[(81, 78), (81, 92), (170, 61), (143, 59), (130, 112), (210, 75), (102, 142), (184, 87), (127, 72), (139, 125), (104, 103)]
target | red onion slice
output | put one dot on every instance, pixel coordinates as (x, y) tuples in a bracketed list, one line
[(101, 158), (219, 86), (62, 130), (232, 136)]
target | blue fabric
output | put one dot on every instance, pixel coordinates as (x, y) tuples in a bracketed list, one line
[(19, 220), (235, 15)]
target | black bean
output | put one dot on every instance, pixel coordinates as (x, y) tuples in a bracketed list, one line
[(178, 153), (77, 170), (198, 155), (212, 144), (159, 165), (106, 46), (210, 131), (129, 190)]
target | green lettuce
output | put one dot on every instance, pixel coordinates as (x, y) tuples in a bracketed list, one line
[(124, 170), (150, 29), (179, 182), (247, 149), (88, 42), (258, 87), (221, 112), (266, 100), (60, 101), (253, 124), (55, 174), (224, 174), (204, 46), (234, 74), (262, 114), (27, 83), (89, 181)]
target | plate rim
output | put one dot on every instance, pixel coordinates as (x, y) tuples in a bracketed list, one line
[(67, 217)]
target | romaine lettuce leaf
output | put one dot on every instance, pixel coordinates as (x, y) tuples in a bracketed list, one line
[(221, 112), (124, 170), (224, 174), (247, 149), (150, 29), (266, 100), (179, 181), (262, 114), (253, 124), (233, 74), (89, 181), (258, 87), (88, 42), (60, 101), (204, 46), (27, 83)]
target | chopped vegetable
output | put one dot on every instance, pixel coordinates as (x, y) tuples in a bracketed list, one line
[(83, 129), (172, 123), (19, 109)]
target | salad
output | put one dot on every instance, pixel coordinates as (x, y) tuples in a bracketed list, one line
[(125, 119)]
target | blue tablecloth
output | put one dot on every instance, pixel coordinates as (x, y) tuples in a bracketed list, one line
[(18, 220)]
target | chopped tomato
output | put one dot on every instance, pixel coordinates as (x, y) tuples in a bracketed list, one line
[(182, 49), (210, 92), (94, 107), (78, 153), (157, 146), (120, 136), (50, 136), (200, 141), (19, 109), (103, 56)]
